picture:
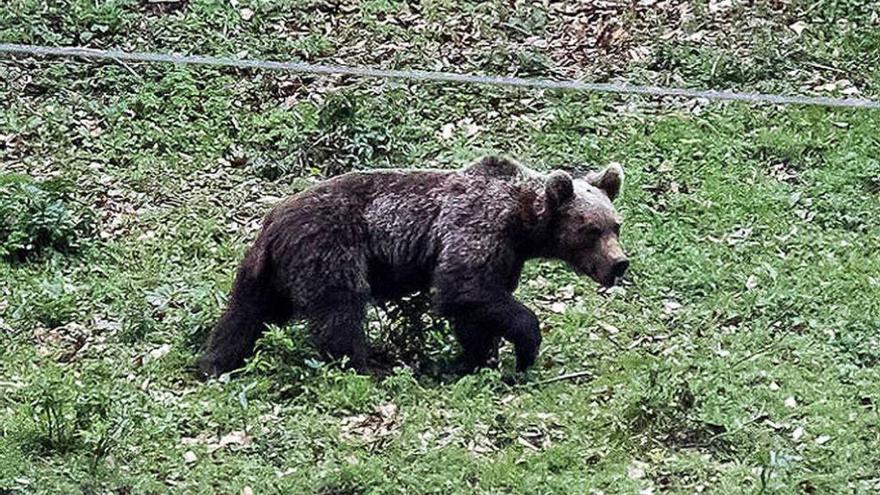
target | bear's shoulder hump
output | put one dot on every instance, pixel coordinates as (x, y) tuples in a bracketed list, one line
[(494, 166)]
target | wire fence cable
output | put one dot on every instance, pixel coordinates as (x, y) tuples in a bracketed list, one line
[(423, 75)]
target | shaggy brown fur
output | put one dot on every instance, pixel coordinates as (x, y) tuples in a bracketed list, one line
[(323, 254)]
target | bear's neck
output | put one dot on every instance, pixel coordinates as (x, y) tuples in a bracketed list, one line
[(537, 242)]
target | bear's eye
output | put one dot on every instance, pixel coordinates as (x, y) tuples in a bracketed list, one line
[(591, 233), (616, 229)]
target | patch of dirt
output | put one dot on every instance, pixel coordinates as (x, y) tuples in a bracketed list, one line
[(373, 427), (162, 7), (65, 343), (783, 172), (339, 490), (663, 187), (871, 184), (601, 36), (233, 440)]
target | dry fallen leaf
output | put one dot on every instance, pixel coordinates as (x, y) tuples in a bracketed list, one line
[(232, 438), (558, 307), (752, 282), (636, 470), (719, 5), (191, 440), (190, 457), (797, 433), (471, 129), (447, 131), (791, 402), (247, 14), (525, 443), (370, 427), (157, 353), (609, 328), (798, 27), (566, 292), (160, 351), (670, 306), (739, 235)]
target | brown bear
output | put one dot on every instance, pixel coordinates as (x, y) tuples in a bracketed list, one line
[(325, 253)]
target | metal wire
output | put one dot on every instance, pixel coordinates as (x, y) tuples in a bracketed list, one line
[(422, 75)]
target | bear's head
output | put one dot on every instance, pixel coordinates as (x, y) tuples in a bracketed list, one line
[(584, 226)]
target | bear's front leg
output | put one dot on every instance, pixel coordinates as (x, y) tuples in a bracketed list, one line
[(479, 345), (484, 321), (524, 332)]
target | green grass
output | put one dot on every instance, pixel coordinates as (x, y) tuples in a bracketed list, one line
[(742, 355)]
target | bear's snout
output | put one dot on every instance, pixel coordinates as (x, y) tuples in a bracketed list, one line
[(619, 268), (616, 272)]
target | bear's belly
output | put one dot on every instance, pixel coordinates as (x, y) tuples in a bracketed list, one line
[(392, 282)]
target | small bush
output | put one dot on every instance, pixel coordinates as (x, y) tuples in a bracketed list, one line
[(343, 132), (55, 303), (409, 334), (405, 334), (35, 217), (660, 405), (63, 415), (287, 354), (138, 322)]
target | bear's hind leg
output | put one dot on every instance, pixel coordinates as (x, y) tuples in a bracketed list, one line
[(337, 329), (252, 305)]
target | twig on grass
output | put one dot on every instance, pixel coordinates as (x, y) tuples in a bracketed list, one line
[(567, 376), (128, 68), (754, 419)]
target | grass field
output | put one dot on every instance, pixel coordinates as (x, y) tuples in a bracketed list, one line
[(741, 355)]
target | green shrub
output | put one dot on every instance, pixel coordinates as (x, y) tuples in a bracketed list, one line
[(408, 333), (54, 303), (35, 217), (287, 354), (341, 133), (63, 414)]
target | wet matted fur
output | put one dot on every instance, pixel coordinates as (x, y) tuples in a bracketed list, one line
[(464, 235)]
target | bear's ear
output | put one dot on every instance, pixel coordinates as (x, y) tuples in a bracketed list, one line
[(559, 188), (609, 180)]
